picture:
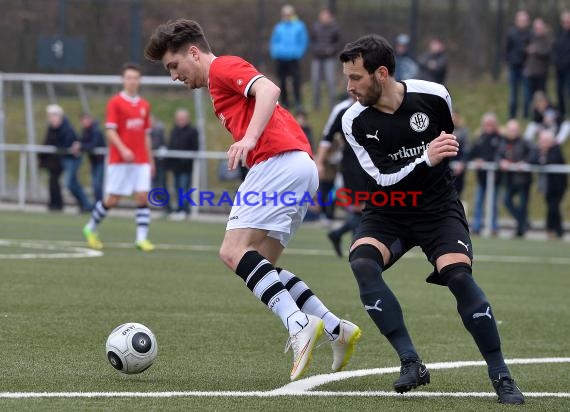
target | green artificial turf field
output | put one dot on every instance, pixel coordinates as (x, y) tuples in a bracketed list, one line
[(57, 308)]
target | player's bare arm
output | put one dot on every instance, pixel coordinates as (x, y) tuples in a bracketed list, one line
[(114, 139), (443, 146), (266, 93)]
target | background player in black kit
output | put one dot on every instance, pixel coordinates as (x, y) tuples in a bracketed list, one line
[(401, 134), (354, 178)]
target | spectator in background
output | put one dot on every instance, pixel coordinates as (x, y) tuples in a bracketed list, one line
[(91, 139), (486, 149), (51, 162), (538, 58), (561, 59), (183, 136), (287, 47), (433, 63), (515, 152), (325, 44), (544, 116), (518, 38), (406, 66), (553, 185), (61, 133), (458, 163), (158, 142)]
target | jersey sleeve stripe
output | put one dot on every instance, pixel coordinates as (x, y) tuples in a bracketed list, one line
[(422, 86), (364, 158), (250, 83), (334, 113)]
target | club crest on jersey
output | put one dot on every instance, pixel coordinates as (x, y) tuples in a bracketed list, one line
[(143, 112), (419, 122), (239, 82)]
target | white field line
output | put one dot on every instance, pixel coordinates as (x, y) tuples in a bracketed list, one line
[(312, 382), (301, 387), (259, 394), (60, 251), (541, 260)]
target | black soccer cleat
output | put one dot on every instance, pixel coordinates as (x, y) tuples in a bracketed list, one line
[(508, 391), (413, 373), (335, 240)]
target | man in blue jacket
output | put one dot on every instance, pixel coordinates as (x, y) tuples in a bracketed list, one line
[(289, 42)]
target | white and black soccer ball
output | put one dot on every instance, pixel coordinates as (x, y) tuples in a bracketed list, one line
[(131, 348)]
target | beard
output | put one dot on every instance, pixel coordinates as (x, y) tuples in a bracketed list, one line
[(372, 95)]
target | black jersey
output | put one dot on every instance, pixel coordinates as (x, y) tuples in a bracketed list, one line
[(334, 126), (391, 148)]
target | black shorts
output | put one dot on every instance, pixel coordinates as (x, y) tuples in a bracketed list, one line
[(436, 233)]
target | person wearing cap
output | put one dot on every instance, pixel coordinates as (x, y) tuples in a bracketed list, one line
[(406, 66)]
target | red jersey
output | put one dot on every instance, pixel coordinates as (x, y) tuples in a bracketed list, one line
[(229, 81), (130, 117)]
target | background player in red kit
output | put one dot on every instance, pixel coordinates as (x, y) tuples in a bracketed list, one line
[(130, 161), (270, 141)]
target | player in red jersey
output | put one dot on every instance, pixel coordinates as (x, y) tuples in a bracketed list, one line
[(269, 140), (130, 163)]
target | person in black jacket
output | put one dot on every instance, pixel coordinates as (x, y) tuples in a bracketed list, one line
[(325, 44), (518, 38), (91, 139), (458, 166), (433, 62), (513, 152), (183, 136), (60, 133), (486, 149), (553, 185), (561, 59)]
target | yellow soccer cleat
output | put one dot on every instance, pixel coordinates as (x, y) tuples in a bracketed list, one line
[(343, 346), (145, 245), (92, 239)]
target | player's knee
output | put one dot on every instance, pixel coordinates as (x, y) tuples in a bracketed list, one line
[(227, 255), (455, 274), (111, 202), (366, 264), (141, 199)]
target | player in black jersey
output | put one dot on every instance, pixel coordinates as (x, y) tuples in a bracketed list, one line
[(354, 178), (401, 133)]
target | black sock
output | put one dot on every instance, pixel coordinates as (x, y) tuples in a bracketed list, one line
[(475, 311), (379, 301)]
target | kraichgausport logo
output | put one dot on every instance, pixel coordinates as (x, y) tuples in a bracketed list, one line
[(160, 197)]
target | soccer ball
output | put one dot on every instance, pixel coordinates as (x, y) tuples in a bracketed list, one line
[(131, 348)]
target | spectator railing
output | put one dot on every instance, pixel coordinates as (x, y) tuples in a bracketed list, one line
[(202, 156), (25, 150)]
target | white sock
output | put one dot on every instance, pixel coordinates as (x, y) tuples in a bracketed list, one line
[(309, 302), (284, 306), (97, 215), (143, 221), (261, 278)]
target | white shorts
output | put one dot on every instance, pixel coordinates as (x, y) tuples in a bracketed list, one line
[(271, 196), (124, 179)]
